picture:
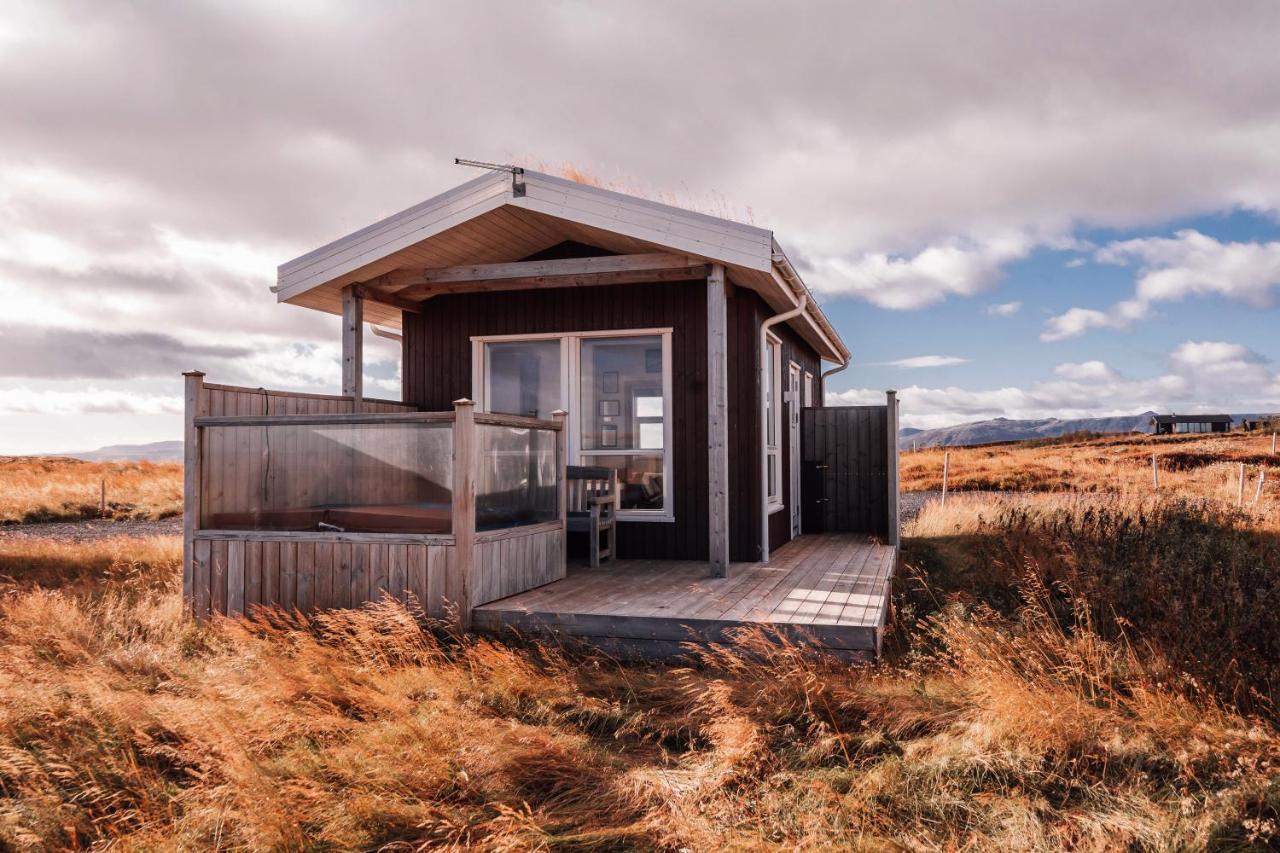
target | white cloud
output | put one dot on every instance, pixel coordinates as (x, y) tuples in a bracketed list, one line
[(90, 401), (1086, 371), (1173, 268), (1202, 376), (919, 361), (951, 269), (1004, 309)]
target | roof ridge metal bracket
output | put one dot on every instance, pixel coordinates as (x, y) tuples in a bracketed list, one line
[(517, 172)]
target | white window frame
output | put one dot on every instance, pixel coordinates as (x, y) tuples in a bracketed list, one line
[(771, 409), (808, 389), (571, 382)]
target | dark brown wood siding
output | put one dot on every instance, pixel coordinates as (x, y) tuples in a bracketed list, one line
[(747, 313), (437, 370)]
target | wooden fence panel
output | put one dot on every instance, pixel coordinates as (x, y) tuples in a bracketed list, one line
[(845, 469)]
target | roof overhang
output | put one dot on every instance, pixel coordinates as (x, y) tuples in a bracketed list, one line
[(500, 217)]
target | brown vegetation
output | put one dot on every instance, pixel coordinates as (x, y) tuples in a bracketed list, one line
[(53, 488), (1074, 671), (1192, 466)]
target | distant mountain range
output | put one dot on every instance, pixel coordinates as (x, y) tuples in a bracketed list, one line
[(156, 451), (1003, 429)]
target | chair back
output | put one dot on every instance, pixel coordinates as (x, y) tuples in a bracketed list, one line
[(589, 481)]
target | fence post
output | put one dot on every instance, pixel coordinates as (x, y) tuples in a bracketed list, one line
[(102, 501), (946, 470), (1273, 444), (891, 416), (1262, 478), (1240, 494), (195, 404), (1155, 473), (457, 582)]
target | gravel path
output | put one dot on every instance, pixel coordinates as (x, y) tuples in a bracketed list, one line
[(912, 502), (88, 531)]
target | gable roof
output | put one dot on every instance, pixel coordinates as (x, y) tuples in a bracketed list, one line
[(501, 217)]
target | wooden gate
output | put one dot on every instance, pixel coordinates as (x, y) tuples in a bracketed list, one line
[(849, 463)]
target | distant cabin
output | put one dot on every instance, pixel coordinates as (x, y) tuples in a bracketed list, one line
[(1178, 424)]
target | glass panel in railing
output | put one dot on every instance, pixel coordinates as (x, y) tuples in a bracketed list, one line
[(367, 478), (516, 476)]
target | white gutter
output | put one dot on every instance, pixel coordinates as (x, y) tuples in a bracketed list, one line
[(764, 424), (822, 383)]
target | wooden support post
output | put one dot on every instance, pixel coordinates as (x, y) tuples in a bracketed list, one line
[(1155, 473), (718, 422), (353, 345), (194, 406), (891, 412), (560, 416), (1240, 494), (457, 584), (946, 471)]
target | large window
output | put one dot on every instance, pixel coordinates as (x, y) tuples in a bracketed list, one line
[(617, 389), (773, 422)]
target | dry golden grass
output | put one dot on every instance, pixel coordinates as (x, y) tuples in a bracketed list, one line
[(48, 488), (1201, 466), (1048, 688)]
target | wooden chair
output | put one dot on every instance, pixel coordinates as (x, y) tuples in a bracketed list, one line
[(593, 499)]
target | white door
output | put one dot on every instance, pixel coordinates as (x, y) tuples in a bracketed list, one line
[(793, 395)]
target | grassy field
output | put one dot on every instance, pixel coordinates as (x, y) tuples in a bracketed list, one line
[(38, 489), (1068, 669)]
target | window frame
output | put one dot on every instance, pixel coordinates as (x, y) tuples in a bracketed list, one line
[(571, 382), (771, 410)]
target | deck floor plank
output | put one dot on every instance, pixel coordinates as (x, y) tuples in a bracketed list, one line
[(832, 587)]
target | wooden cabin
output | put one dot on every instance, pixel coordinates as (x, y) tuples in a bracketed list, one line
[(1181, 424), (545, 323)]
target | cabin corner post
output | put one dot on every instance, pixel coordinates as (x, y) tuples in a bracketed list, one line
[(353, 345), (562, 463), (193, 407), (457, 584), (891, 417), (717, 422)]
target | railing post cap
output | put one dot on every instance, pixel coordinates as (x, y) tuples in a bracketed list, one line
[(193, 373), (559, 413), (463, 401)]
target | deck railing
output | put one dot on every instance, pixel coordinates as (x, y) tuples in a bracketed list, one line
[(332, 505)]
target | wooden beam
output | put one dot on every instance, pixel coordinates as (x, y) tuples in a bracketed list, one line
[(718, 421), (895, 512), (417, 290), (353, 344), (373, 294), (646, 262), (195, 405), (458, 581)]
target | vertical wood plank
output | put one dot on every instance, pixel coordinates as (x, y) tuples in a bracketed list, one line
[(437, 570), (359, 587), (271, 574), (342, 576), (458, 584), (201, 578), (252, 575), (305, 574), (322, 585), (218, 576), (235, 577), (717, 422), (193, 403), (397, 579), (288, 575)]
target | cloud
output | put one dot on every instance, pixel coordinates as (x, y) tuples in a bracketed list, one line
[(89, 401), (1004, 309), (1172, 268), (1202, 376), (928, 277), (920, 361), (50, 353), (1086, 371)]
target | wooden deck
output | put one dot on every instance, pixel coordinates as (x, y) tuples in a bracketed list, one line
[(831, 590)]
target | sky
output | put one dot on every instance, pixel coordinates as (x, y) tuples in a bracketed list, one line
[(1017, 209)]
